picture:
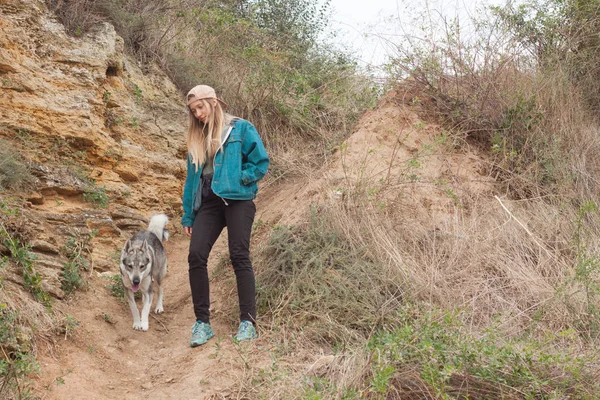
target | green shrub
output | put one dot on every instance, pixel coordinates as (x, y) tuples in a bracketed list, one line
[(17, 362), (314, 280), (433, 352)]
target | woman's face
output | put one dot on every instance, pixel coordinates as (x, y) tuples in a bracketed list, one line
[(202, 110)]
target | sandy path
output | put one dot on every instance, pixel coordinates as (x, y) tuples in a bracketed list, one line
[(109, 360)]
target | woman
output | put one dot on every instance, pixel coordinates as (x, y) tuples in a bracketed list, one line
[(226, 159)]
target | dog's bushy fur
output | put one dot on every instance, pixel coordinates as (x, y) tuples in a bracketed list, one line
[(144, 261)]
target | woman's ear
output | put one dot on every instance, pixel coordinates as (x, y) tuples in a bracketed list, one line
[(214, 102)]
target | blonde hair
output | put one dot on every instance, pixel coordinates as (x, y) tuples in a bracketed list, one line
[(205, 138)]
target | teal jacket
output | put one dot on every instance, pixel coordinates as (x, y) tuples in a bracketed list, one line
[(239, 164)]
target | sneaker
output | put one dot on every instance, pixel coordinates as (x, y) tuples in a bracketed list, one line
[(201, 332), (246, 331)]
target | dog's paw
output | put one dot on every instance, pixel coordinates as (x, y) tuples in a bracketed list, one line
[(140, 326), (159, 310)]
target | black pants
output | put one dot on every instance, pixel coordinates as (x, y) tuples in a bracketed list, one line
[(210, 220)]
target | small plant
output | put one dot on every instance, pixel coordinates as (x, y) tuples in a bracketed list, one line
[(115, 286), (21, 256), (137, 93), (107, 318), (106, 97), (71, 277), (69, 326), (17, 362), (77, 250), (97, 195), (112, 119)]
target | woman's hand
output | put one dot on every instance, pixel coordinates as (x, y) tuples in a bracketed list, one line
[(188, 230)]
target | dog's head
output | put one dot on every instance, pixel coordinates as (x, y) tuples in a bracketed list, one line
[(136, 263)]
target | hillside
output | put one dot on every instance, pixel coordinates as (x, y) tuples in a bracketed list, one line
[(400, 267)]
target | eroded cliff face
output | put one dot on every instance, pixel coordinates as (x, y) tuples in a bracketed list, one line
[(104, 140)]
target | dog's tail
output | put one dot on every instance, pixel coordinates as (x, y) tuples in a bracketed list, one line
[(157, 226)]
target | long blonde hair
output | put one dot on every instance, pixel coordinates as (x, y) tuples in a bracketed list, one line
[(204, 139)]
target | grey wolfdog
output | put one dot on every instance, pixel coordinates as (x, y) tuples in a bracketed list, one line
[(143, 261)]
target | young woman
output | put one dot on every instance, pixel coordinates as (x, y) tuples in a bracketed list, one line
[(226, 159)]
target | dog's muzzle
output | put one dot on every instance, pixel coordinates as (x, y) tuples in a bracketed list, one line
[(136, 284)]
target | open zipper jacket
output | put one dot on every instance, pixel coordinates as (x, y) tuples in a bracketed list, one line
[(239, 164)]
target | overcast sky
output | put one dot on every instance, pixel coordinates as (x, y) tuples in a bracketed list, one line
[(365, 26)]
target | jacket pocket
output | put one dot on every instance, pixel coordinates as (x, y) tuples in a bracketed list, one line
[(232, 164)]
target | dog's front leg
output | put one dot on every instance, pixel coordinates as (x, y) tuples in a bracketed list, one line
[(147, 296), (134, 310), (159, 302)]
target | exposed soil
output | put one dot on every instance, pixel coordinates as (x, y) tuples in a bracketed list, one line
[(107, 359)]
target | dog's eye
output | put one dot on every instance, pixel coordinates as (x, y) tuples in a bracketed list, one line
[(129, 266)]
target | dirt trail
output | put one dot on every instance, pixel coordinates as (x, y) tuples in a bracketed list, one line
[(107, 359)]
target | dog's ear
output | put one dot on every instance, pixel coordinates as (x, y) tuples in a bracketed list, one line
[(126, 247), (144, 246)]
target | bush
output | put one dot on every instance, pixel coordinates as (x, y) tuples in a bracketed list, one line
[(433, 353), (497, 92), (315, 281)]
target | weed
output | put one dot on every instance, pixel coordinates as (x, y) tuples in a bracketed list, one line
[(137, 94), (115, 286), (21, 256), (107, 318), (106, 97), (97, 196), (112, 119), (17, 362), (71, 277), (69, 326), (77, 250)]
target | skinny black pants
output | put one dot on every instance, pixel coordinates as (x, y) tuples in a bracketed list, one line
[(209, 222)]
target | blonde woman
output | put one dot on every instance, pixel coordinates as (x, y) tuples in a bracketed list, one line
[(226, 159)]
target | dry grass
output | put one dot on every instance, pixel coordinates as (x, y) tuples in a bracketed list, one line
[(484, 262), (524, 270), (14, 173), (78, 16)]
